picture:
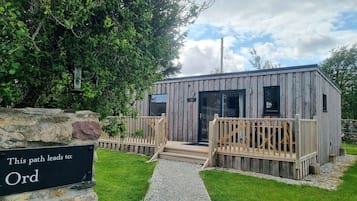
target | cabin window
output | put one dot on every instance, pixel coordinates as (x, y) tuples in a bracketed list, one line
[(157, 104), (324, 103), (272, 100)]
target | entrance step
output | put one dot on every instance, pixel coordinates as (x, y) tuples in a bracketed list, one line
[(180, 151), (183, 158), (187, 151)]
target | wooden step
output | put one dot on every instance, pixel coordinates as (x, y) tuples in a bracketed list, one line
[(183, 157), (187, 151)]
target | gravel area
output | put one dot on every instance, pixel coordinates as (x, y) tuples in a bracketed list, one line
[(329, 177), (331, 173), (176, 181)]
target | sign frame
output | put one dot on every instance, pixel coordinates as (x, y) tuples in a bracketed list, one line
[(191, 100), (30, 169)]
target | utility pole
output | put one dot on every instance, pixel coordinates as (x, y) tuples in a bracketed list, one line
[(222, 55)]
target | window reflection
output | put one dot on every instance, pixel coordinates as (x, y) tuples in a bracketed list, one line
[(157, 104)]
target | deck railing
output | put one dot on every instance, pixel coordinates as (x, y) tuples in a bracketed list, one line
[(284, 139), (148, 131)]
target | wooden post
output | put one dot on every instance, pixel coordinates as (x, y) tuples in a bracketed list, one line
[(215, 132), (157, 137), (316, 137), (210, 143), (297, 145), (164, 129), (211, 140)]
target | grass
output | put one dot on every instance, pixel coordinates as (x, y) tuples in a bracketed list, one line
[(122, 176), (351, 148), (225, 186)]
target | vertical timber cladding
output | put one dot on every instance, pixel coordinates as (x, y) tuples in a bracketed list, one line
[(24, 170), (329, 126)]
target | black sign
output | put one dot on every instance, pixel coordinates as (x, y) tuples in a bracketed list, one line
[(23, 170), (191, 99)]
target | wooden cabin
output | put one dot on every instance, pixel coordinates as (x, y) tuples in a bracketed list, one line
[(190, 103)]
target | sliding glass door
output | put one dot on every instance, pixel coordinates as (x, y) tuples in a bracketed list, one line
[(223, 103)]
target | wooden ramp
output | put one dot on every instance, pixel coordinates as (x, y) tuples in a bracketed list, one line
[(185, 151)]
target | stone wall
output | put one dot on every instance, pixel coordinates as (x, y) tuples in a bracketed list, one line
[(349, 130), (33, 127)]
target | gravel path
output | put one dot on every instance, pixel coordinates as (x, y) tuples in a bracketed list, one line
[(176, 181)]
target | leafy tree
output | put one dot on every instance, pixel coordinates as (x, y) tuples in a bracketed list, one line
[(341, 66), (121, 46), (216, 71), (14, 45), (258, 63)]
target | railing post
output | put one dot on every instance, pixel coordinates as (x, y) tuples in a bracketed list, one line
[(157, 143), (215, 133), (160, 136), (160, 132), (211, 140), (297, 144), (210, 143), (316, 136), (164, 128)]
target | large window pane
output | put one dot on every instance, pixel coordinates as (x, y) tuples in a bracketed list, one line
[(157, 104)]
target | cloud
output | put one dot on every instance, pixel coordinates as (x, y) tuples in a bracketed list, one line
[(278, 29), (203, 57)]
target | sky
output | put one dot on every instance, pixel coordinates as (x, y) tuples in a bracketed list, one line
[(285, 32)]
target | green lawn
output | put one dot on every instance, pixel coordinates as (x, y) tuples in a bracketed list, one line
[(225, 186), (122, 176), (351, 148)]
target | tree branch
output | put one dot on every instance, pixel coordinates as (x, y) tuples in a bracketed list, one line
[(37, 29), (36, 33), (59, 22)]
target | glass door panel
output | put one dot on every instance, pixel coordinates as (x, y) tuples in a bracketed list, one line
[(210, 103), (230, 107), (223, 103)]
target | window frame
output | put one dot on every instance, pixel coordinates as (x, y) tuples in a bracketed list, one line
[(267, 111), (150, 103), (324, 103)]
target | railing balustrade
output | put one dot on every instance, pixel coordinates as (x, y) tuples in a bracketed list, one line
[(267, 138), (308, 141), (143, 130)]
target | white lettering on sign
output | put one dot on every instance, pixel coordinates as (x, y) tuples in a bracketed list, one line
[(37, 160), (16, 161), (14, 178), (59, 157)]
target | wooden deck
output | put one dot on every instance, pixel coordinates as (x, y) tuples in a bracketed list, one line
[(279, 147), (282, 147)]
